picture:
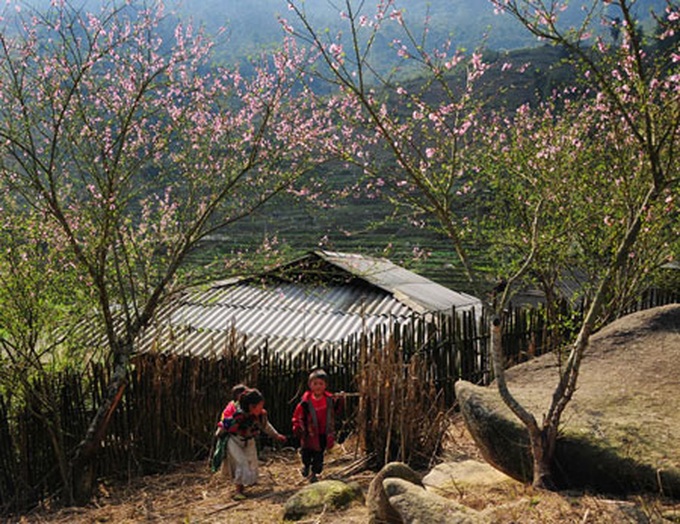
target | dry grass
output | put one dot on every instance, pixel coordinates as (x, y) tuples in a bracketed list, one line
[(401, 416), (192, 494)]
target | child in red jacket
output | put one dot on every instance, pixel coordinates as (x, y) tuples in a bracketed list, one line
[(314, 422)]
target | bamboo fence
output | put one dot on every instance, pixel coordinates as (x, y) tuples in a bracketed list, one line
[(172, 403)]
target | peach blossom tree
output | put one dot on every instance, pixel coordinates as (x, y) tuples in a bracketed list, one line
[(588, 179), (411, 140), (599, 180), (132, 146)]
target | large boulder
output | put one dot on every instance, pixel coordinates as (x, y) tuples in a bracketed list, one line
[(416, 505), (379, 508), (325, 495), (619, 433)]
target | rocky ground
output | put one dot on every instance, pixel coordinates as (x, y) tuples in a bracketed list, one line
[(191, 494)]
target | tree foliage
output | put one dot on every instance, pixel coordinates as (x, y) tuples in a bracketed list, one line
[(584, 185), (606, 183), (130, 149), (412, 140)]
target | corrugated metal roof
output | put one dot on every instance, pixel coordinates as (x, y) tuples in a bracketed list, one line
[(295, 308), (418, 292)]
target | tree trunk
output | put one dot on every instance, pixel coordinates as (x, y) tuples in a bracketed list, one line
[(542, 439), (82, 464), (543, 454)]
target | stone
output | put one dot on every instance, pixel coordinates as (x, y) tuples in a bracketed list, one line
[(416, 505), (619, 432), (451, 477), (326, 495), (379, 509)]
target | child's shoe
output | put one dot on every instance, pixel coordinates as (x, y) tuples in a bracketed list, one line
[(238, 494), (313, 478), (305, 471)]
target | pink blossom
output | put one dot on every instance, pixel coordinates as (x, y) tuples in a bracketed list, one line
[(398, 16)]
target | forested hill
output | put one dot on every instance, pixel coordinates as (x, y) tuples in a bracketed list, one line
[(359, 224), (252, 25)]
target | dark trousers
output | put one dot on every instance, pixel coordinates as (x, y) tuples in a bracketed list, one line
[(314, 459)]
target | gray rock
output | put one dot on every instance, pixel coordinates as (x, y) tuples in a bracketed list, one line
[(501, 438), (619, 432), (452, 477), (416, 505), (326, 495), (379, 509)]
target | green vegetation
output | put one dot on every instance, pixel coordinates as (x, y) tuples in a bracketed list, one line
[(371, 226)]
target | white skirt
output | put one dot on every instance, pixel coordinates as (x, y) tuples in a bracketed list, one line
[(242, 458)]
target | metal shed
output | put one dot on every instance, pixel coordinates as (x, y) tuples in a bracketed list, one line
[(316, 301)]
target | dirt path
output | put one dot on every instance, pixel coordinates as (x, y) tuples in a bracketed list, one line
[(191, 494)]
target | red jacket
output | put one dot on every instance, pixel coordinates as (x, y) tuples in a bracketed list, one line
[(308, 424)]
